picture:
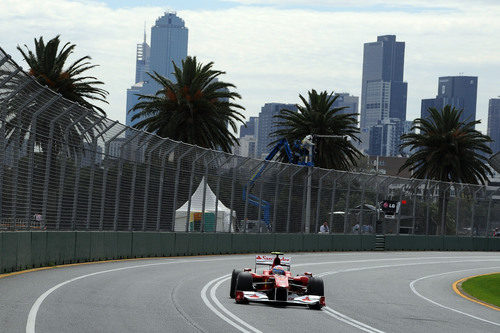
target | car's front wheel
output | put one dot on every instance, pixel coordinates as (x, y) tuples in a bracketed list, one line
[(315, 287), (232, 289), (244, 282)]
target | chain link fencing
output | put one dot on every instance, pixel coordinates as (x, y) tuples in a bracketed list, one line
[(64, 167)]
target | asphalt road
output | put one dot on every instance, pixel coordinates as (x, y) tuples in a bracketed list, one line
[(365, 292)]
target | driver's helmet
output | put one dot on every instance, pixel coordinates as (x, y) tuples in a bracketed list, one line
[(279, 270)]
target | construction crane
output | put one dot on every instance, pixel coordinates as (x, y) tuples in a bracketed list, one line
[(303, 155)]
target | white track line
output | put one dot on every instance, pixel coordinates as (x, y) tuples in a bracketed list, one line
[(218, 313), (412, 287), (327, 310), (348, 320), (30, 323)]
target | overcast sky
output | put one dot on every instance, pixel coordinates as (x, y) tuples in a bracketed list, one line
[(272, 50)]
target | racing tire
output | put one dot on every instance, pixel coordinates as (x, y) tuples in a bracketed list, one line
[(244, 282), (281, 294), (232, 289), (315, 287)]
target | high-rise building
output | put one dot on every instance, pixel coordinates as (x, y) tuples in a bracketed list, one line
[(459, 92), (345, 100), (494, 123), (169, 39), (267, 125), (251, 128), (383, 92), (385, 137)]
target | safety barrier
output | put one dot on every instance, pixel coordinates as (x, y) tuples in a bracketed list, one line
[(30, 249)]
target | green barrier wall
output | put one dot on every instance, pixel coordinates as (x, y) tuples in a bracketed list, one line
[(26, 249)]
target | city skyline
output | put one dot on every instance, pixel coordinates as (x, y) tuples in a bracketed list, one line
[(256, 44)]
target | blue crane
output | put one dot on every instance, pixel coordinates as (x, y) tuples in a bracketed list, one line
[(299, 158)]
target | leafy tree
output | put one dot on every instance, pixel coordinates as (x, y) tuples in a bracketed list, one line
[(47, 66), (196, 109), (317, 116), (447, 149)]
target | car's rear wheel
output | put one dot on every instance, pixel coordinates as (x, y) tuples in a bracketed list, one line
[(244, 282), (232, 289), (315, 287)]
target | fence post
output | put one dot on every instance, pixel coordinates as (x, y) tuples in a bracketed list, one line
[(16, 157), (177, 173), (31, 152), (78, 166), (3, 145), (217, 188), (139, 135), (233, 185), (148, 178), (63, 166), (202, 227), (105, 176), (332, 202), (191, 179), (346, 211), (49, 157), (318, 202), (474, 208), (289, 210), (276, 196), (363, 191), (92, 171), (163, 158), (414, 208), (457, 214)]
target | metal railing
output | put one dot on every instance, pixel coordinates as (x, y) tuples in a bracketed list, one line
[(64, 167)]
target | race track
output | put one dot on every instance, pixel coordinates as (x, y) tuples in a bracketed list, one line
[(365, 292)]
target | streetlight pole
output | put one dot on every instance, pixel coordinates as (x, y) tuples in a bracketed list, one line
[(310, 162)]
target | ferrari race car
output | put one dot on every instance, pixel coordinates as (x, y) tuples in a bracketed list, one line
[(276, 284)]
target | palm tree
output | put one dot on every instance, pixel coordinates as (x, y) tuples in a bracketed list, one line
[(196, 109), (318, 117), (447, 149), (47, 66)]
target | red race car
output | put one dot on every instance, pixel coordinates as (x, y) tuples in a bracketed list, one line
[(276, 284)]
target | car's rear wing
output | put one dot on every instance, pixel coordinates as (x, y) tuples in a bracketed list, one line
[(267, 260)]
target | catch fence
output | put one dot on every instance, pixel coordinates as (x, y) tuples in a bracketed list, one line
[(64, 167)]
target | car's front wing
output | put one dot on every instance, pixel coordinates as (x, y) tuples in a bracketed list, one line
[(255, 296)]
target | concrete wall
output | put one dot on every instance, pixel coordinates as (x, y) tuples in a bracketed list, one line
[(28, 249)]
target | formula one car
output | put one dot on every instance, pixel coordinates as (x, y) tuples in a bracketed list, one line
[(276, 284)]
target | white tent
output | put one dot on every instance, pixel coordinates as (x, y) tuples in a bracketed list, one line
[(211, 202)]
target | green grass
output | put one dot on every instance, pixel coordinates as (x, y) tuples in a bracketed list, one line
[(485, 288)]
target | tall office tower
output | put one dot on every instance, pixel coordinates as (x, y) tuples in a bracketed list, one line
[(383, 92), (385, 137), (350, 102), (458, 91), (169, 39), (251, 128), (494, 123), (267, 125)]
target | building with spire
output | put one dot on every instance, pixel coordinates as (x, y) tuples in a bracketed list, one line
[(169, 40), (383, 91)]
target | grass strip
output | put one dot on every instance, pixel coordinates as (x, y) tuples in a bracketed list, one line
[(485, 288)]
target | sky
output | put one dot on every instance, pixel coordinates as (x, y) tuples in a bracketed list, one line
[(274, 50)]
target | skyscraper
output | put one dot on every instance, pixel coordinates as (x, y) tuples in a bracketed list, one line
[(267, 125), (458, 91), (350, 102), (385, 137), (169, 39), (383, 92), (251, 128), (494, 123)]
